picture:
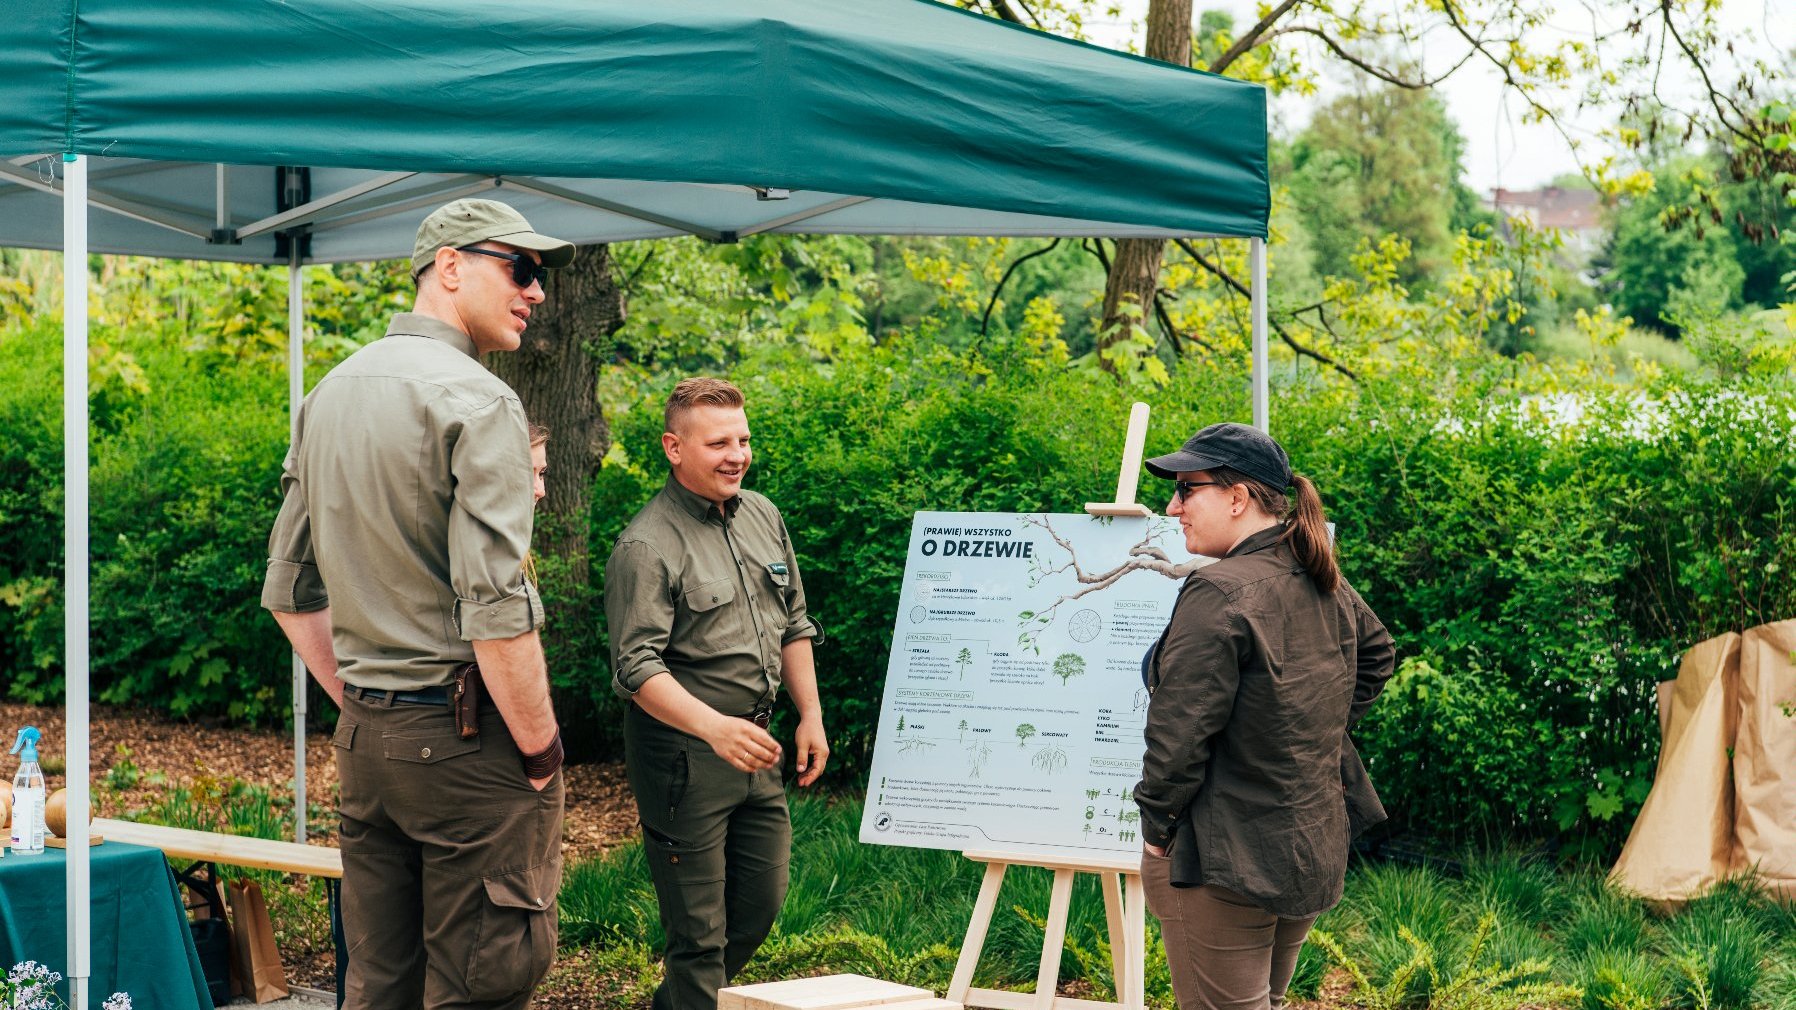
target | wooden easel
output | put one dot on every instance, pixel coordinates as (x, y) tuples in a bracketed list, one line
[(1129, 473), (1125, 911), (1119, 876)]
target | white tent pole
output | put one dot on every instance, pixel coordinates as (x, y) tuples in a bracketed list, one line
[(75, 565), (1257, 256), (296, 376)]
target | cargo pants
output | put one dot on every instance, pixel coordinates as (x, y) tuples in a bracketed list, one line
[(451, 861), (718, 842)]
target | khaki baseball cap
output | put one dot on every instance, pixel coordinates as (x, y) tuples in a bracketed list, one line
[(466, 222)]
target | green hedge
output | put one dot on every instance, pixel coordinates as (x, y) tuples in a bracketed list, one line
[(1540, 578)]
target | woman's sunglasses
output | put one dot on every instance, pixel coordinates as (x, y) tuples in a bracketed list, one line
[(1183, 488), (524, 270)]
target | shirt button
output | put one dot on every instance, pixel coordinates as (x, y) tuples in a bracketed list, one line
[(713, 599), (424, 753)]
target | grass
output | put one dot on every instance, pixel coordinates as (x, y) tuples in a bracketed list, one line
[(1514, 931), (1552, 935)]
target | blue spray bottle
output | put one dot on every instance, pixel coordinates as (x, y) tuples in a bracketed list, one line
[(27, 796)]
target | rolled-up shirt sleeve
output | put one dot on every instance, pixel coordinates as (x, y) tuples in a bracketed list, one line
[(639, 612), (799, 622), (490, 523), (1201, 659), (292, 584)]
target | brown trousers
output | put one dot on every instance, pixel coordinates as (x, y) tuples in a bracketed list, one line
[(451, 862), (718, 843), (1225, 952)]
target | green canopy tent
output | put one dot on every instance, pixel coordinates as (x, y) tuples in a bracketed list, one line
[(296, 131)]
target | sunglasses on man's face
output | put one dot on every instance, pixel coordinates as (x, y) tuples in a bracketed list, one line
[(1182, 488), (524, 270)]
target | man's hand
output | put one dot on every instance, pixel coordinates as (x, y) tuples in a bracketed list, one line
[(1157, 851), (813, 749), (744, 745)]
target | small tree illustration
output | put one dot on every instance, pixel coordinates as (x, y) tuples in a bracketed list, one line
[(900, 724), (965, 657), (1068, 665), (963, 731), (1023, 732)]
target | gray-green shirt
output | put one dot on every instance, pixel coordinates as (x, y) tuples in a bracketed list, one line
[(707, 596), (407, 493)]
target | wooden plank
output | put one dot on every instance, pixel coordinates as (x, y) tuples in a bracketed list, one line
[(232, 850), (1120, 862), (55, 842), (823, 992)]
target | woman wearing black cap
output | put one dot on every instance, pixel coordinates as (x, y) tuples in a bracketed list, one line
[(1251, 790)]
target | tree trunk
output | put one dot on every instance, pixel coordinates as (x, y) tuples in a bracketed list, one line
[(556, 376), (1135, 272)]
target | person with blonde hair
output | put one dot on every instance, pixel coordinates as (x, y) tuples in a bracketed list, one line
[(1250, 788), (708, 622)]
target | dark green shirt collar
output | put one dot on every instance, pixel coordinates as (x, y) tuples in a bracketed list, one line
[(698, 506), (417, 324), (1259, 541)]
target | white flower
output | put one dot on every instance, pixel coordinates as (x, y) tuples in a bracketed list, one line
[(117, 1001)]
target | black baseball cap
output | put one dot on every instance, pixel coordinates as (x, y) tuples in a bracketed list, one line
[(1237, 446)]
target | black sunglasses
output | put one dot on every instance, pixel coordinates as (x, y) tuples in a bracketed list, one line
[(1183, 488), (524, 270)]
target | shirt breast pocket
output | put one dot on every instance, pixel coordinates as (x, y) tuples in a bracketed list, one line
[(715, 624)]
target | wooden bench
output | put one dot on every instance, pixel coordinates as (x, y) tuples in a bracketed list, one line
[(231, 850), (208, 849)]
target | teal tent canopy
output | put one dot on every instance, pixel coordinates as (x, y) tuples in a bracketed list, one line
[(613, 120), (296, 131)]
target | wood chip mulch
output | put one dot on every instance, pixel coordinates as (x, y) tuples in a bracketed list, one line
[(167, 752)]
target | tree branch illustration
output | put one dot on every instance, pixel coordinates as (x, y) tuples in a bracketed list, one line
[(1144, 556)]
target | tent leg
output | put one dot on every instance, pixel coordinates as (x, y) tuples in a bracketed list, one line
[(1261, 407), (296, 373), (75, 566)]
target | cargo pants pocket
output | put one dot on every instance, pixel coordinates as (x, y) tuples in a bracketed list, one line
[(514, 944)]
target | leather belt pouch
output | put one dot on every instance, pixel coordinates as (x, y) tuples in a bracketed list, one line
[(464, 698)]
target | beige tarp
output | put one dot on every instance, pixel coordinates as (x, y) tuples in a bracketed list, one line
[(1683, 841), (1724, 796), (1765, 757)]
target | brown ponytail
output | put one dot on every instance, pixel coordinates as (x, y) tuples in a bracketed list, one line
[(1307, 530)]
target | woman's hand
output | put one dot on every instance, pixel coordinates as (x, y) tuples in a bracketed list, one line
[(1157, 851)]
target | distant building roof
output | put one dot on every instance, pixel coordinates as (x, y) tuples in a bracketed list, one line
[(1552, 207)]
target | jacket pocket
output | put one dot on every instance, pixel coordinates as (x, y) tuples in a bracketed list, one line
[(515, 942)]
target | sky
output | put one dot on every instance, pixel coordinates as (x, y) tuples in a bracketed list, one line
[(1501, 150)]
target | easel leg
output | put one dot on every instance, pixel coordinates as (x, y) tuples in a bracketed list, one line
[(1047, 980), (1119, 943), (976, 929), (1135, 939)]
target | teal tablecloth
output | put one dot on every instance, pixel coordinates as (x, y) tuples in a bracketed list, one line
[(141, 942)]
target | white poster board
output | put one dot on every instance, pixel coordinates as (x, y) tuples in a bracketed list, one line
[(1013, 709)]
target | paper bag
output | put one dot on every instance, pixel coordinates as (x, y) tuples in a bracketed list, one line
[(1682, 844), (1765, 758), (255, 960)]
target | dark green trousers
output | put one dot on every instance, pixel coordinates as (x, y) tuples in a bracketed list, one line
[(451, 862), (718, 842)]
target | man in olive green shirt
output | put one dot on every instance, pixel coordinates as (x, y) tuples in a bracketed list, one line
[(397, 558), (708, 619)]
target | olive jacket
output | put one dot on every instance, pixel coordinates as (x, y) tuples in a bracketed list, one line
[(1250, 779)]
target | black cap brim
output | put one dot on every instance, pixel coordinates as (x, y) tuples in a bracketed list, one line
[(1169, 466)]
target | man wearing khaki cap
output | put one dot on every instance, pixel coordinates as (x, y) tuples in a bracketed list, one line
[(396, 564)]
